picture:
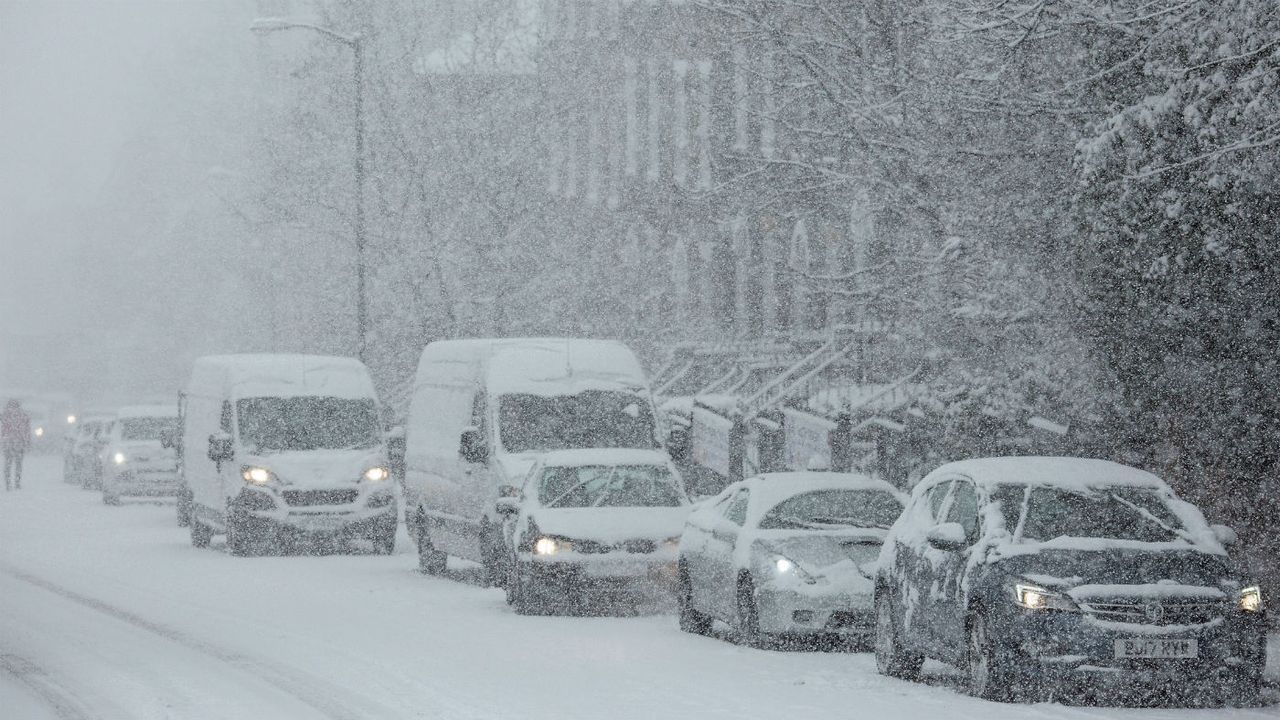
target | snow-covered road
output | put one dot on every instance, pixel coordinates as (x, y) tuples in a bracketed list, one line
[(107, 612)]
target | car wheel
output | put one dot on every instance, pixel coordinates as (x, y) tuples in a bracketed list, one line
[(430, 560), (495, 574), (691, 621), (991, 676), (748, 627), (109, 498), (892, 658), (183, 509), (201, 534), (1241, 689), (384, 539), (520, 593)]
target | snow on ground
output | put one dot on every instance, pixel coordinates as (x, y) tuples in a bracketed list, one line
[(108, 612)]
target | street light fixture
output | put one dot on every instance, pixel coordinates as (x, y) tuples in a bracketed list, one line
[(263, 26)]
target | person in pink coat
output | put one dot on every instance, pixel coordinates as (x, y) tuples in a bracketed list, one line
[(15, 440)]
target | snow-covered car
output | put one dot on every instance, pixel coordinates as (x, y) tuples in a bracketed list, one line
[(786, 554), (1039, 572), (135, 463), (593, 527), (81, 464)]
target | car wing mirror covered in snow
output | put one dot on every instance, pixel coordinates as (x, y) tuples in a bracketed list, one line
[(220, 447), (947, 536), (1225, 535), (471, 446), (507, 506)]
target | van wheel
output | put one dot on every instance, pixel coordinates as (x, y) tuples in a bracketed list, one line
[(201, 534), (110, 498), (430, 560), (495, 574), (892, 658), (183, 508), (691, 621), (242, 541)]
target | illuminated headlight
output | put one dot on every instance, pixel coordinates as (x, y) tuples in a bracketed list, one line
[(71, 419), (785, 566), (256, 475), (1034, 597), (1251, 599), (119, 458), (39, 432), (550, 546), (376, 473)]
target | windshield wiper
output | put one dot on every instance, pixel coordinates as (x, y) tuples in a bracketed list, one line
[(1147, 515)]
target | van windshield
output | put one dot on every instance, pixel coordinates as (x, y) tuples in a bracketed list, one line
[(146, 428), (590, 419), (307, 423)]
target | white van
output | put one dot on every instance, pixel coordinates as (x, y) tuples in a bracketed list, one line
[(481, 413), (285, 447), (135, 461)]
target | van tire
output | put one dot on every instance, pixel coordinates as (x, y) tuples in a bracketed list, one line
[(430, 560), (183, 504), (491, 552), (241, 541), (201, 534), (109, 498)]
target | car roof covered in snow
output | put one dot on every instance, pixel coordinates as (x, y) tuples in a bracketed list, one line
[(147, 411), (272, 375), (605, 456), (769, 489), (539, 366), (1063, 472)]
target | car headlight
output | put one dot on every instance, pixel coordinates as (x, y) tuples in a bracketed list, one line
[(1034, 597), (71, 419), (377, 473), (39, 432), (119, 458), (551, 546), (256, 475), (785, 566), (1251, 599)]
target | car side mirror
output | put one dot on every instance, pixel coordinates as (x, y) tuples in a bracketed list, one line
[(1225, 535), (220, 448), (507, 506), (471, 446), (679, 443), (947, 536)]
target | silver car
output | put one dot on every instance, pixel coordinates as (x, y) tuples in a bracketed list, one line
[(786, 554)]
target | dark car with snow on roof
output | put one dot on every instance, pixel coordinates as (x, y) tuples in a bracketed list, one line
[(786, 555), (592, 528), (1041, 573)]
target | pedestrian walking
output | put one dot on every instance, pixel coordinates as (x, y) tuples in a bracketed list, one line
[(15, 440)]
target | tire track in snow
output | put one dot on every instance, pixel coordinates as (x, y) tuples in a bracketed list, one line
[(312, 691), (65, 704)]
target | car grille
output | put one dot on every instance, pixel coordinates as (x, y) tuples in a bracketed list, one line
[(842, 619), (1166, 611), (637, 547), (319, 497)]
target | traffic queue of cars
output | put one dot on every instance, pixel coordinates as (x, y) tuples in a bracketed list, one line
[(543, 461)]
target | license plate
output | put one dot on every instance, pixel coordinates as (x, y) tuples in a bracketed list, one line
[(1155, 648)]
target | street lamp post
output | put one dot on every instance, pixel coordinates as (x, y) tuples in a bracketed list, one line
[(353, 41)]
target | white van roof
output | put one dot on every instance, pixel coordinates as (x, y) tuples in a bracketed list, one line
[(540, 366), (272, 375)]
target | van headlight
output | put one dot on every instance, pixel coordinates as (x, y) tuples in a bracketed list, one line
[(377, 473), (551, 546), (119, 458), (256, 475), (1034, 597), (1251, 599)]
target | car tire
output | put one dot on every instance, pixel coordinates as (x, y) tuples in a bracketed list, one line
[(495, 574), (183, 504), (109, 498), (691, 621), (892, 658), (1242, 689), (990, 676), (383, 539), (201, 534), (520, 593), (748, 614), (430, 560)]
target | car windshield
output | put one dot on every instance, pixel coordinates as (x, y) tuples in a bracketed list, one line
[(146, 428), (1116, 512), (826, 509), (591, 419), (307, 423), (608, 486)]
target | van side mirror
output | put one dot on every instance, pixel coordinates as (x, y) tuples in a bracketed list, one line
[(220, 448), (947, 536), (679, 443), (471, 446), (1225, 535), (168, 439), (507, 506)]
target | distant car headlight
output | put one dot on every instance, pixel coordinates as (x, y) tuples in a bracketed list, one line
[(551, 546), (39, 432), (1034, 597), (119, 458), (71, 419), (377, 473), (785, 566), (1251, 599), (256, 475)]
